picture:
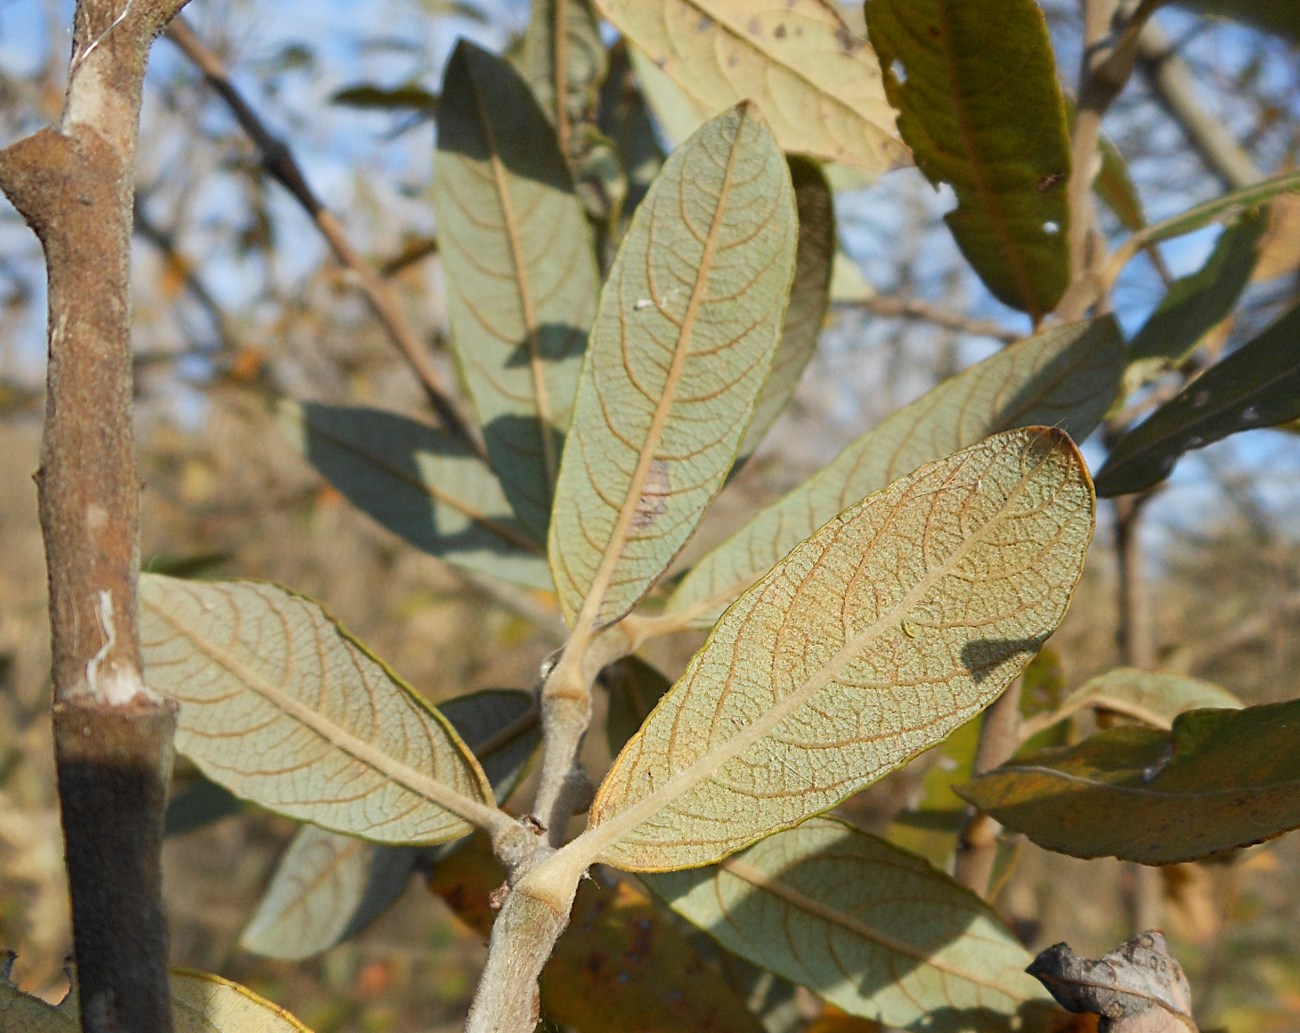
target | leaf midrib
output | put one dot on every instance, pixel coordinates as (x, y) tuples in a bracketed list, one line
[(746, 872), (472, 811), (595, 599), (609, 832)]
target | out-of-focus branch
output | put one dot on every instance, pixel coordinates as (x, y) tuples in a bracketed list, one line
[(112, 735), (280, 164), (1171, 83), (910, 308)]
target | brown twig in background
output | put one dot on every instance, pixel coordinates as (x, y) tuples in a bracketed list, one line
[(910, 308), (74, 187), (280, 164)]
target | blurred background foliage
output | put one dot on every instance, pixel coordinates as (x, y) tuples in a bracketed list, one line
[(237, 301)]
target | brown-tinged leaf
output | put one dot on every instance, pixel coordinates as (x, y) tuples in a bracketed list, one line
[(1138, 987)]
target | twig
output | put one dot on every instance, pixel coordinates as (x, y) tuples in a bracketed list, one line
[(280, 164), (74, 187), (977, 846), (910, 308), (1171, 83)]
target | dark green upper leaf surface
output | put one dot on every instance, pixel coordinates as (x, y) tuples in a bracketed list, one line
[(1256, 386), (981, 108), (1196, 303), (521, 271), (420, 483), (1221, 779)]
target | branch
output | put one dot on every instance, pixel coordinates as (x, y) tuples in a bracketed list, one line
[(910, 308), (1171, 83), (280, 164), (74, 187)]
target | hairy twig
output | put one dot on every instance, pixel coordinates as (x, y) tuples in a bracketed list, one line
[(280, 164), (74, 186)]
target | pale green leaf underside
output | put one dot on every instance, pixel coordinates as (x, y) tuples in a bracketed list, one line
[(875, 638), (981, 107), (809, 298), (1064, 377), (424, 485), (521, 272), (1153, 697), (201, 1003), (871, 928), (328, 887), (818, 86), (564, 60), (687, 325), (281, 707)]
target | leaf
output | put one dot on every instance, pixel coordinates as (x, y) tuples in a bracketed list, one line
[(1152, 697), (1115, 186), (930, 828), (683, 341), (981, 107), (1065, 376), (1200, 215), (620, 965), (1221, 779), (201, 1003), (1256, 386), (818, 85), (1195, 304), (282, 707), (1137, 988), (371, 97), (809, 298), (564, 62), (327, 887), (871, 928), (521, 272), (422, 484), (874, 639), (1275, 16), (198, 803), (633, 688)]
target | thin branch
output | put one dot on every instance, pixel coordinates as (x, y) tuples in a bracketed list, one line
[(280, 164), (74, 187), (1171, 83), (977, 846), (910, 308)]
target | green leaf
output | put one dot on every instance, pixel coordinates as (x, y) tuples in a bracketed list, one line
[(1115, 186), (683, 341), (1065, 376), (327, 887), (564, 62), (1202, 215), (1155, 698), (818, 86), (201, 1003), (282, 707), (1195, 304), (891, 626), (871, 928), (1275, 16), (370, 97), (809, 298), (521, 272), (930, 828), (1256, 386), (625, 119), (981, 107), (198, 803), (1221, 779), (424, 485), (633, 688)]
